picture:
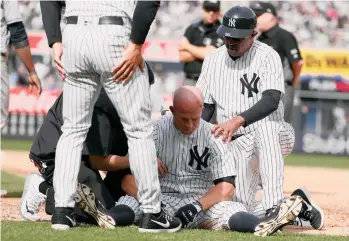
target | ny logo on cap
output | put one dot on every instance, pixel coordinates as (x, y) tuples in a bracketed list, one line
[(231, 22)]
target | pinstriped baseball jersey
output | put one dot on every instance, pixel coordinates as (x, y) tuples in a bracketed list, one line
[(235, 86), (9, 14), (193, 161), (100, 8)]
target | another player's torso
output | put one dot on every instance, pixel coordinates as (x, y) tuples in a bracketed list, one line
[(237, 85), (100, 8), (5, 35), (187, 158)]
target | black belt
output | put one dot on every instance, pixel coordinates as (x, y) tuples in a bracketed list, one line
[(114, 20), (192, 76), (234, 137)]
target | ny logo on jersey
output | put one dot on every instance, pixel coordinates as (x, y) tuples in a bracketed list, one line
[(231, 22), (201, 160), (250, 86)]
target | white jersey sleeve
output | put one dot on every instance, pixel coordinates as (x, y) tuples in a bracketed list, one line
[(223, 162), (11, 12), (204, 80), (273, 73)]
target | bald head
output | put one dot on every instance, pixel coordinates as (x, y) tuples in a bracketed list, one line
[(187, 109), (187, 98)]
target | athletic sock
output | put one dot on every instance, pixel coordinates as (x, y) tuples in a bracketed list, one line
[(123, 215), (43, 187), (243, 222)]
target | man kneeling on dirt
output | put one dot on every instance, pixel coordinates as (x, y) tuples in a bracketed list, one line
[(105, 146), (199, 183)]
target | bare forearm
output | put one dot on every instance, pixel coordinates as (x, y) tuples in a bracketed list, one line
[(109, 163), (185, 56), (296, 69), (200, 52), (221, 192), (25, 55)]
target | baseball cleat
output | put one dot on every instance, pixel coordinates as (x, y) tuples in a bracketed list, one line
[(86, 200), (63, 219), (285, 212), (32, 199), (311, 214), (163, 223)]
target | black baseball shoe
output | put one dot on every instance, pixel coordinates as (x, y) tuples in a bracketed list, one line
[(311, 214), (162, 223), (87, 202), (63, 219), (285, 212)]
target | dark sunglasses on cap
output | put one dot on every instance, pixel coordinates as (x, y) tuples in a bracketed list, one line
[(211, 9)]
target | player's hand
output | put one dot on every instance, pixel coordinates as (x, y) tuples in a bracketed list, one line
[(228, 129), (132, 58), (57, 56), (34, 81), (162, 168), (188, 212)]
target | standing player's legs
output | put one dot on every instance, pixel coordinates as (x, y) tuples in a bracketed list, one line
[(133, 104), (4, 91), (80, 92), (274, 140), (288, 102)]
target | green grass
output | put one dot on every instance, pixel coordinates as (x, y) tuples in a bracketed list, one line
[(16, 145), (318, 161), (12, 184), (29, 231), (292, 160)]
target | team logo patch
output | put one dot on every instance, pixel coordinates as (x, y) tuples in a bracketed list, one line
[(231, 22), (201, 160), (251, 86)]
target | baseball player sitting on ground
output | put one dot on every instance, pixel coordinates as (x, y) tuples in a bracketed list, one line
[(244, 81), (199, 183)]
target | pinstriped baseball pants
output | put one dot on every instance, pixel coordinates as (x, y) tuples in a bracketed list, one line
[(90, 51), (214, 218), (259, 158)]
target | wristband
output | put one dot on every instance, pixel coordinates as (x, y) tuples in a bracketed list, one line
[(198, 206), (33, 72)]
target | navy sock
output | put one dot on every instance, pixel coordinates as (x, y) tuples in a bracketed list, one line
[(43, 187), (123, 215), (243, 222)]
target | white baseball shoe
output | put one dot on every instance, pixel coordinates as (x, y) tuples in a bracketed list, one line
[(285, 212), (32, 199)]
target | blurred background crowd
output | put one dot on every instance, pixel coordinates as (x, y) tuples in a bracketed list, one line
[(316, 24)]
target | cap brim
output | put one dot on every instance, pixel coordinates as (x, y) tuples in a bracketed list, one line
[(258, 11), (232, 32)]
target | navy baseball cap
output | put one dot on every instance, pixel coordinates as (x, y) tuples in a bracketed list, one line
[(214, 5), (263, 7)]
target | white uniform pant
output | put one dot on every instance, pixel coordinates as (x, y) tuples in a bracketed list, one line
[(4, 92), (214, 218), (259, 158), (90, 51)]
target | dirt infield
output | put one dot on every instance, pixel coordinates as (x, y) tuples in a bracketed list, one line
[(328, 187)]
